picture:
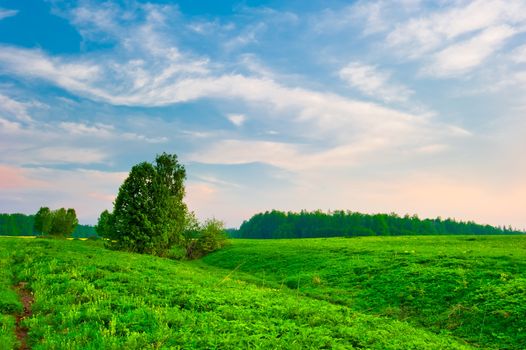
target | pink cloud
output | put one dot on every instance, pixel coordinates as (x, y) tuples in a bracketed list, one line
[(102, 196), (15, 177)]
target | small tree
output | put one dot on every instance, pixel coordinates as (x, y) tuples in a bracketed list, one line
[(149, 213), (105, 225), (43, 221)]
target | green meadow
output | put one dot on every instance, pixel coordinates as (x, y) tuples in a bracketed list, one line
[(416, 292)]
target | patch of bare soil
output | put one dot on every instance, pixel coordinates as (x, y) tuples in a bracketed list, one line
[(26, 297)]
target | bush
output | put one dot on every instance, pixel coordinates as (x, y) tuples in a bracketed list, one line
[(205, 238)]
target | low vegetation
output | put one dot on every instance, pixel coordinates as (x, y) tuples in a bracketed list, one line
[(88, 297), (471, 287), (9, 303)]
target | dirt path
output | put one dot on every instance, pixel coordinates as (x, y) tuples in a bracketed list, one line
[(27, 299)]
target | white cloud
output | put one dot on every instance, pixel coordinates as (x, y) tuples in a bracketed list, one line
[(425, 34), (9, 127), (97, 130), (255, 66), (66, 155), (237, 119), (372, 82), (316, 115), (51, 143), (16, 109), (299, 158), (150, 71), (105, 131), (464, 56), (248, 36), (519, 54), (34, 63), (4, 13)]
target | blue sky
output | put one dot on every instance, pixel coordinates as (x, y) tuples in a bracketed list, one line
[(376, 106)]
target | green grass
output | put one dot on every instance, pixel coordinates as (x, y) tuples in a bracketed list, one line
[(9, 303), (471, 287), (87, 297)]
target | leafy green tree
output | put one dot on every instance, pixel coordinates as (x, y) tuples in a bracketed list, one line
[(64, 222), (105, 225), (149, 214), (43, 221)]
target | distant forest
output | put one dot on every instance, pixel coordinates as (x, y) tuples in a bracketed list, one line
[(23, 225), (277, 224)]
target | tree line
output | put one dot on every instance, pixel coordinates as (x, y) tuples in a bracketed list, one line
[(305, 224), (24, 225)]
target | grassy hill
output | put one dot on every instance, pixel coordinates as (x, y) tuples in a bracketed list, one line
[(375, 293), (472, 287)]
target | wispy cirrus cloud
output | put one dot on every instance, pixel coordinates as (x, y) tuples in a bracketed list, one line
[(464, 56), (325, 111), (13, 108), (447, 40), (153, 73), (427, 33), (372, 17), (373, 82), (106, 131), (5, 13)]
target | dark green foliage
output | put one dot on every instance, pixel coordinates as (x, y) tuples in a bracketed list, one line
[(105, 225), (24, 225), (84, 231), (63, 222), (44, 221), (87, 297), (17, 225), (276, 224), (149, 212), (56, 223)]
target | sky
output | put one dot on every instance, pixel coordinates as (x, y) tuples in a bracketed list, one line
[(405, 106)]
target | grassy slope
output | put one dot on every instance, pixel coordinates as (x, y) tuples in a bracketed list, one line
[(87, 297), (473, 287)]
